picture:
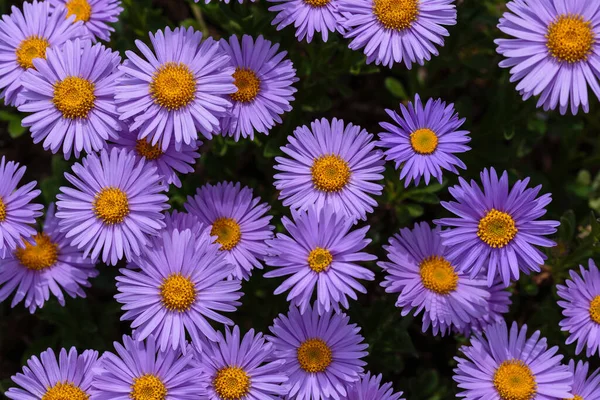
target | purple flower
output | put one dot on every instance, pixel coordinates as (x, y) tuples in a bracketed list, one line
[(584, 387), (330, 163), (180, 90), (323, 353), (25, 36), (264, 86), (393, 31), (497, 228), (115, 206), (424, 140), (507, 365), (580, 300), (71, 97), (308, 17), (242, 368), (47, 264), (321, 254), (369, 387), (180, 287), (68, 377), (553, 51), (139, 371), (96, 15), (419, 270)]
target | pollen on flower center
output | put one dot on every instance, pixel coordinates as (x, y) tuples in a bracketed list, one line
[(231, 383), (396, 14), (148, 387), (173, 86), (438, 275), (30, 48), (145, 149), (319, 259), (595, 309), (65, 391), (81, 9), (178, 292), (577, 397), (514, 380), (570, 38), (2, 210), (330, 173), (497, 228), (39, 256), (227, 231), (247, 83), (314, 355), (74, 97), (317, 3), (111, 205), (424, 141)]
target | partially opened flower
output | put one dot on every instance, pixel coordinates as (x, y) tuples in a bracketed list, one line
[(309, 17), (369, 387), (584, 387), (96, 15)]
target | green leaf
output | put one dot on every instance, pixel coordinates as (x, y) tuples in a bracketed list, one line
[(395, 87)]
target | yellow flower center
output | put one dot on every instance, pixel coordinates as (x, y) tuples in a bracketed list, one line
[(81, 9), (74, 97), (145, 149), (438, 275), (227, 231), (231, 383), (247, 83), (497, 228), (396, 14), (148, 387), (178, 293), (577, 397), (319, 259), (30, 48), (330, 173), (423, 141), (314, 355), (2, 210), (570, 38), (111, 205), (514, 381), (595, 309), (173, 86), (65, 391), (39, 256), (317, 3)]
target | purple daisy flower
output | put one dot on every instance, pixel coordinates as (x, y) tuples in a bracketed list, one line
[(177, 92), (323, 353), (139, 371), (584, 387), (71, 97), (25, 36), (264, 86), (96, 15), (17, 213), (394, 31), (369, 387), (497, 228), (242, 368), (507, 365), (419, 270), (180, 287), (115, 206), (424, 140), (322, 255), (330, 163), (308, 17), (47, 264), (68, 377), (238, 220), (580, 299), (553, 51)]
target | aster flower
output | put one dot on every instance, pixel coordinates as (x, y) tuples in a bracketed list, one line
[(419, 270), (330, 163), (95, 15), (17, 212), (552, 51), (323, 353), (139, 371), (584, 387), (179, 288), (238, 220), (180, 90), (308, 17), (46, 264), (115, 206), (497, 228), (26, 35), (369, 387), (46, 377), (424, 140), (321, 254), (264, 86), (503, 365), (242, 368), (71, 97), (395, 31), (580, 300)]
